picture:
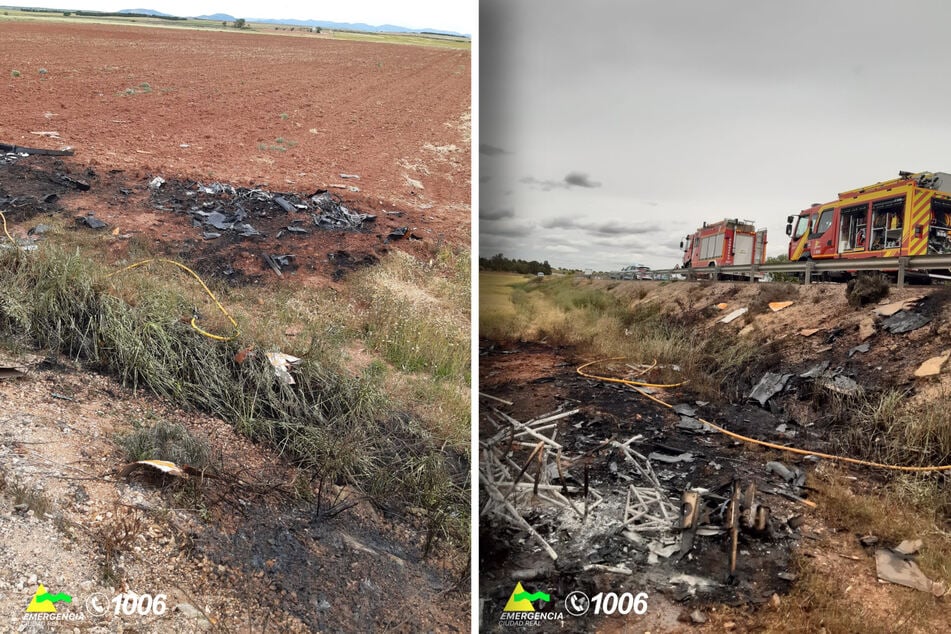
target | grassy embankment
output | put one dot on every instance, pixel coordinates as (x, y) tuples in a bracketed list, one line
[(381, 398), (611, 322), (624, 319)]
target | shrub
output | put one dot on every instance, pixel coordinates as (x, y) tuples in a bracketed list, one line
[(866, 288)]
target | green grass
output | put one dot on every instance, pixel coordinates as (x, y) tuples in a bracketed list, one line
[(335, 422), (498, 318), (166, 441), (913, 506), (885, 426), (606, 322), (416, 314)]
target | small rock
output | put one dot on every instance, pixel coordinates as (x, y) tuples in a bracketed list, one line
[(698, 617), (775, 601), (191, 612)]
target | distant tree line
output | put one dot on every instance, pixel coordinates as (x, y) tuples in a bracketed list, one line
[(117, 14), (499, 262)]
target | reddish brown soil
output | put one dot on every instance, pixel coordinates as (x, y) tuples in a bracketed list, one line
[(287, 114)]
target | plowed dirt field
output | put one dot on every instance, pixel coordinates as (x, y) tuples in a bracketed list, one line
[(386, 127)]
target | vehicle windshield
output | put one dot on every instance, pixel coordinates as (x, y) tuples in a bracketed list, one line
[(802, 225)]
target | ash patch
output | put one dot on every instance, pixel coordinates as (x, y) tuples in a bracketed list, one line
[(329, 577), (599, 547), (35, 187), (344, 263)]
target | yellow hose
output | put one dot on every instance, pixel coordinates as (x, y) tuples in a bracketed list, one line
[(194, 323), (753, 441), (4, 219)]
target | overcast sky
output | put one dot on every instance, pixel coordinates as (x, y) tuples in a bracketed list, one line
[(611, 129), (447, 15)]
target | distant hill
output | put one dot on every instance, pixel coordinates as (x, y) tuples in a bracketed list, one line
[(147, 12), (217, 17), (354, 26), (323, 24)]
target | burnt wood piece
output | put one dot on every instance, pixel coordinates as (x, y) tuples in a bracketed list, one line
[(19, 149)]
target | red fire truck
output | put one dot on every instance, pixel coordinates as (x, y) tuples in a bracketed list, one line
[(724, 243), (906, 216)]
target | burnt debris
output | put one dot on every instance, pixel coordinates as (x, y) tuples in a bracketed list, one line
[(219, 209)]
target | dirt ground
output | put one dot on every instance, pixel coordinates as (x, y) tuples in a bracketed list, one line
[(385, 127), (247, 556), (539, 379)]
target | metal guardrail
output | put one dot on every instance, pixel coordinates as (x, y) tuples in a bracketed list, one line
[(901, 265)]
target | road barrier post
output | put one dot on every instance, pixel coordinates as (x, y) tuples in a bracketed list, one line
[(902, 265), (810, 267)]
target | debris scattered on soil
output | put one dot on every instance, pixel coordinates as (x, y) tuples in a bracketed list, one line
[(816, 371), (278, 262), (92, 222), (70, 181), (842, 384), (808, 332), (19, 150), (887, 310), (794, 476), (769, 386), (685, 410), (334, 214), (778, 306), (904, 321), (895, 566), (859, 348), (734, 315), (932, 366), (282, 364), (169, 468)]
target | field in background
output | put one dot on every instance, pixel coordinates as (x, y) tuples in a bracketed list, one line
[(417, 39)]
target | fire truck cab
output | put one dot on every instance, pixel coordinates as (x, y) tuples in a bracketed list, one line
[(909, 215), (724, 243)]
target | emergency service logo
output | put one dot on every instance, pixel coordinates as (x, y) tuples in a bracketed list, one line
[(44, 601), (42, 607), (520, 609)]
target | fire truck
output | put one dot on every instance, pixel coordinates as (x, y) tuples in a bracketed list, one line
[(724, 243), (905, 216)]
